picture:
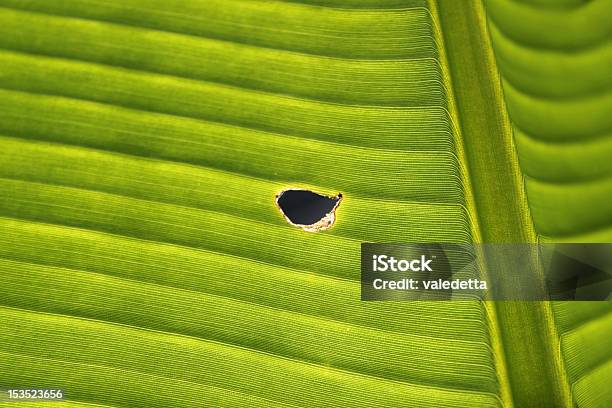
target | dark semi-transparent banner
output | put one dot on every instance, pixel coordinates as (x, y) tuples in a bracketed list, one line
[(486, 271)]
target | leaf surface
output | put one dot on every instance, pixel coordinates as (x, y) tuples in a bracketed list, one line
[(143, 144)]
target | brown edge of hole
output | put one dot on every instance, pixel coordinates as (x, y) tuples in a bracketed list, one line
[(338, 196)]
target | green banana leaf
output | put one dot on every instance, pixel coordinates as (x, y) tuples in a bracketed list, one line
[(144, 263)]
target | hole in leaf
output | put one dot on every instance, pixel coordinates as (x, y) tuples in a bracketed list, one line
[(308, 210)]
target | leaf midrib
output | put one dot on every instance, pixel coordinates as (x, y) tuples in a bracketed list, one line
[(500, 207)]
